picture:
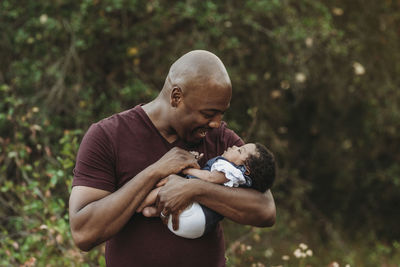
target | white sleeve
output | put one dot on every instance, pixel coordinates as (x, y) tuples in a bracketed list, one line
[(234, 175)]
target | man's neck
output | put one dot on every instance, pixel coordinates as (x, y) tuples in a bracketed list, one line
[(158, 113)]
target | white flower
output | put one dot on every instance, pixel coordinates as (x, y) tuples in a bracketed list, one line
[(297, 253), (300, 77), (309, 252), (335, 264), (276, 94), (337, 11), (309, 42), (285, 85), (358, 68), (268, 253), (228, 24), (43, 18), (285, 257), (267, 75), (303, 246)]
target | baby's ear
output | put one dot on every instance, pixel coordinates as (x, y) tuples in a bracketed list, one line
[(246, 165)]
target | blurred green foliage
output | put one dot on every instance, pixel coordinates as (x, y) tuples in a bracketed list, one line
[(316, 81)]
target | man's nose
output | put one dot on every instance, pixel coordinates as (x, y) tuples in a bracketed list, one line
[(216, 121)]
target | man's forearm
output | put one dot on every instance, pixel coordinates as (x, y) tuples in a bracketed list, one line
[(96, 221), (242, 205)]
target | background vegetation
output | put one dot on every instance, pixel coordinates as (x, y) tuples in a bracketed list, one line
[(316, 81)]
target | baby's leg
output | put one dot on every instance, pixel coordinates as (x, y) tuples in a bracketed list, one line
[(195, 221), (192, 222), (150, 211)]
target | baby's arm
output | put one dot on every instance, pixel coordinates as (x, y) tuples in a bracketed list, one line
[(215, 177), (150, 199)]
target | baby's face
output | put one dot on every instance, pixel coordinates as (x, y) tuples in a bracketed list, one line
[(238, 155)]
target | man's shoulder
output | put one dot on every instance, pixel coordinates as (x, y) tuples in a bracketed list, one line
[(112, 126), (119, 121), (132, 113)]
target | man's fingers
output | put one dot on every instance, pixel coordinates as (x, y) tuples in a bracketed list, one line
[(162, 182), (164, 216), (175, 221), (158, 206)]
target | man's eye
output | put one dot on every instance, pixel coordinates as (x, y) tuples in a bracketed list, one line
[(208, 116)]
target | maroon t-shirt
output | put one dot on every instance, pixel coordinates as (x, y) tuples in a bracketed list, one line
[(112, 152)]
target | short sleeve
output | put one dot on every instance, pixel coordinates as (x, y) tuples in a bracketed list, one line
[(234, 175), (95, 162)]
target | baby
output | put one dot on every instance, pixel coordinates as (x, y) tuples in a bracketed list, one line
[(251, 165)]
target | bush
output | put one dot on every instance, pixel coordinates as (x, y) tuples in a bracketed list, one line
[(314, 81)]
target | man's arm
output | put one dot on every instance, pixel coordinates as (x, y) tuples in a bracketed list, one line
[(96, 215), (242, 205)]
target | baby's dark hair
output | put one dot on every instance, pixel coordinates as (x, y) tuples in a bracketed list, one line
[(262, 168)]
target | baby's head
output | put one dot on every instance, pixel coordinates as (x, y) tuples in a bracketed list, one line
[(259, 163)]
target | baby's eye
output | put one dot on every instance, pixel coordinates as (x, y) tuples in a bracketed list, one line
[(240, 151)]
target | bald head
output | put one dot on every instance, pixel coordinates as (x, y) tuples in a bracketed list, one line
[(195, 96), (196, 71)]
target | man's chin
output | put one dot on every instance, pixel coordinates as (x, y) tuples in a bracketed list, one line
[(196, 136), (194, 139)]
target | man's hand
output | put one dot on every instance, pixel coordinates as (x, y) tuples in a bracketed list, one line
[(150, 200), (173, 198), (175, 160)]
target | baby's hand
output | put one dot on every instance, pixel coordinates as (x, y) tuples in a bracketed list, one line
[(187, 171), (196, 155)]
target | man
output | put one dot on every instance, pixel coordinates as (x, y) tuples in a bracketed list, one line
[(123, 157)]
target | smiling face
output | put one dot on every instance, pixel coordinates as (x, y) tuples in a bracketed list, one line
[(200, 110), (239, 155), (199, 91)]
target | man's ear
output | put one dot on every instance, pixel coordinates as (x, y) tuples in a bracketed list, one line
[(176, 96)]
